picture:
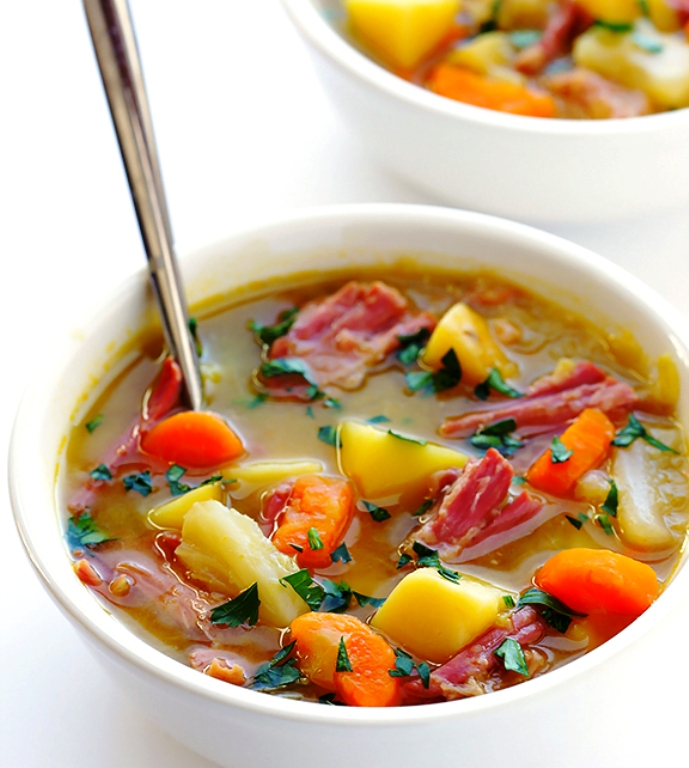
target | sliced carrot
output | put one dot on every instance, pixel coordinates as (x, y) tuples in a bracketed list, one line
[(316, 519), (463, 85), (589, 580), (318, 637), (589, 440), (193, 439)]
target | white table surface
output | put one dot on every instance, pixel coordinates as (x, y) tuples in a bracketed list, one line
[(244, 132)]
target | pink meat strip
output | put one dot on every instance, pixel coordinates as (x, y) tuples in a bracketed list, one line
[(615, 398), (467, 673), (340, 336), (583, 372)]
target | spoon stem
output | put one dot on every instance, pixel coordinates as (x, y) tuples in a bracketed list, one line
[(114, 42)]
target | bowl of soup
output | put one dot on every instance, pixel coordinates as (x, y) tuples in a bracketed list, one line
[(569, 111), (437, 492)]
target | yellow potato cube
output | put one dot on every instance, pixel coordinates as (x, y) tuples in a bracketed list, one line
[(483, 52), (403, 31), (434, 618), (465, 331), (615, 11), (227, 551), (262, 474), (382, 464), (171, 514)]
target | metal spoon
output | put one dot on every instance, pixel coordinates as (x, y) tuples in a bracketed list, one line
[(114, 42)]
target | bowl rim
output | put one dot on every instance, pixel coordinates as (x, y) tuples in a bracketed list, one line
[(97, 623), (324, 38)]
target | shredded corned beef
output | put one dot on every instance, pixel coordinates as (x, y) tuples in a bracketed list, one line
[(340, 336)]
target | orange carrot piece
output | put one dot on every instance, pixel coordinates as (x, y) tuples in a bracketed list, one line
[(193, 439), (589, 580), (466, 86), (321, 504), (589, 440), (318, 637)]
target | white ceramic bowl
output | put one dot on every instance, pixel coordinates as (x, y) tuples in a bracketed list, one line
[(530, 169), (587, 707)]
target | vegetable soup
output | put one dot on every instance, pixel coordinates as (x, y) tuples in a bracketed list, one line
[(407, 486), (541, 58)]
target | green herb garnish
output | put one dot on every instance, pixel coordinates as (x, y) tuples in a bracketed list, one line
[(634, 429), (337, 596), (555, 612), (278, 672), (343, 664), (101, 472), (605, 524), (173, 476), (429, 558), (559, 452), (404, 667), (611, 500), (365, 600), (524, 38), (646, 43), (404, 560), (310, 591), (95, 422), (498, 436), (577, 521), (242, 609), (331, 402), (377, 513), (508, 600), (614, 26), (497, 384), (416, 440), (194, 331), (380, 419), (140, 482), (341, 554), (412, 346), (512, 655), (328, 434), (423, 508), (315, 541), (447, 377), (83, 532), (269, 333), (283, 366)]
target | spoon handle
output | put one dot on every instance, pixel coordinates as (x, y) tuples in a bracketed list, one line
[(114, 42)]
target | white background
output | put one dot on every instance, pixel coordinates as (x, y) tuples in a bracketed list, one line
[(244, 132)]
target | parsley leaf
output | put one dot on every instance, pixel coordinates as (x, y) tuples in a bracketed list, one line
[(559, 452), (173, 476), (269, 333), (404, 560), (555, 612), (337, 596), (343, 664), (605, 524), (577, 521), (399, 436), (497, 436), (140, 482), (83, 532), (331, 402), (341, 554), (194, 331), (611, 500), (448, 376), (412, 346), (328, 435), (380, 419), (278, 672), (377, 513), (508, 600), (365, 600), (497, 384), (281, 366), (310, 591), (634, 429), (429, 558), (512, 655), (423, 508), (404, 667), (101, 472), (243, 609), (315, 541), (614, 26), (95, 422)]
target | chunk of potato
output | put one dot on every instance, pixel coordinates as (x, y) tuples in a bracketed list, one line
[(467, 332), (523, 14), (262, 474), (404, 31), (483, 52), (663, 15), (652, 62), (171, 514), (434, 618), (382, 464), (228, 552)]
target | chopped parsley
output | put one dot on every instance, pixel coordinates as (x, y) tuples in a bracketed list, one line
[(512, 655), (341, 554), (614, 26), (315, 541), (282, 366), (448, 376), (173, 476), (555, 612), (606, 524), (337, 597), (328, 435), (309, 412), (310, 592), (329, 698), (194, 331), (404, 560), (497, 436), (101, 472), (331, 402), (634, 429), (412, 345), (278, 672), (497, 384), (428, 558), (423, 508), (525, 38), (646, 43), (343, 663), (609, 506), (508, 600), (404, 667), (95, 422), (399, 436), (577, 521), (365, 600), (269, 333), (329, 596), (83, 532), (259, 399), (380, 419), (140, 482), (559, 452), (242, 609), (377, 513)]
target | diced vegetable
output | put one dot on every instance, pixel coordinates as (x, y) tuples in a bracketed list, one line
[(171, 514), (467, 332), (265, 473), (663, 15), (317, 503), (522, 14), (483, 52), (381, 463), (664, 391), (589, 580), (588, 439), (653, 62), (228, 552), (649, 484), (434, 617), (320, 638), (197, 439), (403, 31), (466, 86)]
